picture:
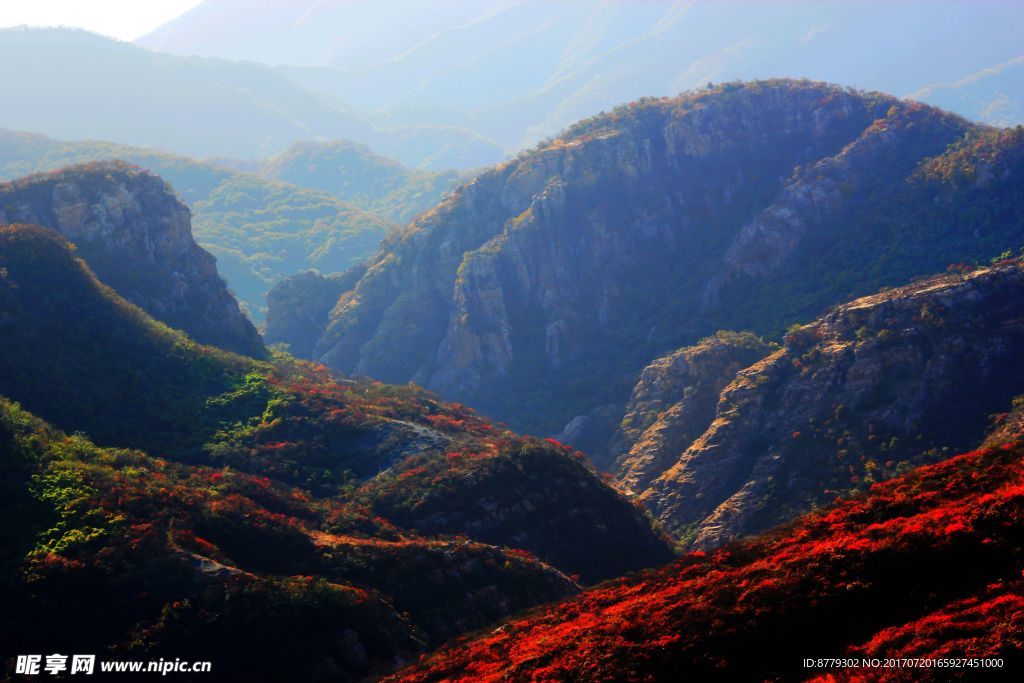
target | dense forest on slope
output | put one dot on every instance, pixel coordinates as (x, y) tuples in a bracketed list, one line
[(537, 291), (926, 565), (260, 228)]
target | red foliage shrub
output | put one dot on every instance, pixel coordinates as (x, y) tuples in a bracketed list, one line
[(905, 553)]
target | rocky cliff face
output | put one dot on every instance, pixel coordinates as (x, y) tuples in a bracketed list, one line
[(674, 402), (137, 237), (539, 290), (898, 378)]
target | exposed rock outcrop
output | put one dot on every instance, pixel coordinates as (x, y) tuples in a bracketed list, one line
[(137, 237), (674, 402), (539, 290), (899, 378)]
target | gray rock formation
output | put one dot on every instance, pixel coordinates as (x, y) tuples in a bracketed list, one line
[(674, 402), (136, 236), (900, 378)]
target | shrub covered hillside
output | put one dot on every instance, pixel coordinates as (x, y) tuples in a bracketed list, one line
[(75, 354), (538, 291), (136, 556), (927, 565)]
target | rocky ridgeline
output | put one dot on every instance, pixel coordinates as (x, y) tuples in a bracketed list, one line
[(137, 237), (900, 378), (674, 402)]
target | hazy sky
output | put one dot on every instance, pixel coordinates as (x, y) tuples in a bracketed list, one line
[(124, 19)]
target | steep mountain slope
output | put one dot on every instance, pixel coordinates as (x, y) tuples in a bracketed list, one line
[(539, 290), (78, 356), (83, 358), (129, 95), (521, 70), (901, 377), (962, 205), (137, 237), (927, 565), (674, 402)]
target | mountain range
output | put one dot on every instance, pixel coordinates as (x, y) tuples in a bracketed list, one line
[(339, 202), (539, 290), (194, 106), (774, 327), (213, 487), (518, 71)]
